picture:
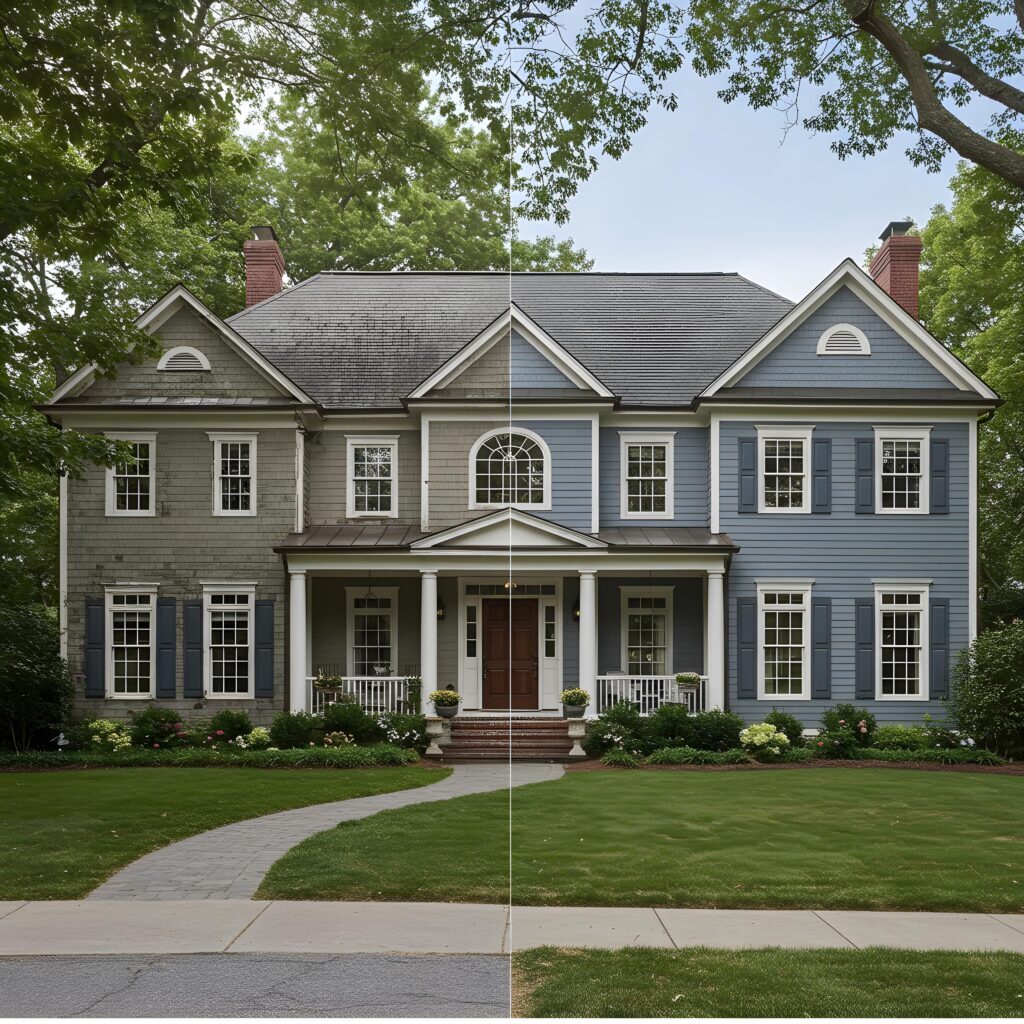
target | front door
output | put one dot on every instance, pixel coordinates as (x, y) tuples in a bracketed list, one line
[(510, 654)]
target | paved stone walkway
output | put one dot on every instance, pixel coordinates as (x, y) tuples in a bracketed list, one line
[(228, 863)]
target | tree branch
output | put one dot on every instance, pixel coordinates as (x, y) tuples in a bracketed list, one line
[(988, 85)]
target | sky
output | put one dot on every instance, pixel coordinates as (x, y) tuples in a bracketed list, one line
[(715, 186)]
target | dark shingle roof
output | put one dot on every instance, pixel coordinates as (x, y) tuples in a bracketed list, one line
[(366, 340)]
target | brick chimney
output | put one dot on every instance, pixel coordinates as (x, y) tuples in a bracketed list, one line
[(897, 263), (264, 266)]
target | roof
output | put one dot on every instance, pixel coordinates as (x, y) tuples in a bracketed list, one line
[(366, 340)]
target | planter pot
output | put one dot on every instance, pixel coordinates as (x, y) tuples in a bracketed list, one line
[(447, 712), (573, 710)]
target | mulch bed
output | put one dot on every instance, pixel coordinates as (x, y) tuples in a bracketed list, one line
[(925, 766)]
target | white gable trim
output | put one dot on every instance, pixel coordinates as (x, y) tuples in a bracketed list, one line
[(157, 315), (516, 319), (848, 274), (513, 517)]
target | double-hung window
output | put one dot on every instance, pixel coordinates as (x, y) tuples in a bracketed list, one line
[(234, 474), (372, 622), (784, 455), (901, 470), (372, 477), (131, 640), (228, 631), (783, 614), (901, 628), (647, 631), (131, 483), (647, 475)]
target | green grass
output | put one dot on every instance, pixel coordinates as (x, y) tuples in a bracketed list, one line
[(867, 838), (766, 983), (65, 832)]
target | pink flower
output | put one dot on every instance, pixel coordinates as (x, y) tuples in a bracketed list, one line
[(209, 737), (842, 721), (155, 745), (219, 732), (821, 743)]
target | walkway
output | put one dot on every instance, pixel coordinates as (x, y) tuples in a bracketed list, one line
[(250, 926), (229, 862)]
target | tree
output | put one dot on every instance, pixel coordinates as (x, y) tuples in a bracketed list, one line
[(972, 300)]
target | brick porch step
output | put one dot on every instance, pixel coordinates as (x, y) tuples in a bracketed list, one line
[(503, 739)]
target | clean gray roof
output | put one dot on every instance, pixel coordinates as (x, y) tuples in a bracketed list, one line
[(366, 340)]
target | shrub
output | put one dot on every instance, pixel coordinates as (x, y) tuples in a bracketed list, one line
[(291, 729), (257, 739), (938, 734), (619, 758), (688, 755), (987, 698), (787, 723), (714, 730), (338, 739), (839, 743), (157, 727), (109, 737), (349, 717), (932, 755), (231, 723), (35, 689), (900, 737), (859, 721), (764, 741), (619, 726), (408, 731), (669, 726)]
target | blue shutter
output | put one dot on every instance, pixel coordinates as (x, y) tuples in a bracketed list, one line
[(192, 674), (821, 648), (746, 646), (166, 647), (264, 636), (95, 647), (939, 489), (864, 473), (821, 475), (748, 474), (864, 610), (938, 642)]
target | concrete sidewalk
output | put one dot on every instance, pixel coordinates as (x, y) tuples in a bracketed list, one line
[(249, 926)]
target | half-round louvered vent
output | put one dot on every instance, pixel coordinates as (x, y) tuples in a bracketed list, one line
[(183, 359), (843, 340)]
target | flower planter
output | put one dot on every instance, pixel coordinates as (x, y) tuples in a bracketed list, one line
[(573, 710), (447, 712)]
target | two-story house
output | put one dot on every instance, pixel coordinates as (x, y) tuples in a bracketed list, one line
[(511, 484)]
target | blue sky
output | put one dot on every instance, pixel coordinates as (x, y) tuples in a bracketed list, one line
[(714, 186)]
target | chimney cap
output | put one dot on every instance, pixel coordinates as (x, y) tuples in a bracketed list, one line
[(896, 228), (264, 233)]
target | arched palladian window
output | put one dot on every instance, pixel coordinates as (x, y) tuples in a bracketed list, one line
[(510, 467)]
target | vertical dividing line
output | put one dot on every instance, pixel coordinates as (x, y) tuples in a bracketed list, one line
[(511, 232)]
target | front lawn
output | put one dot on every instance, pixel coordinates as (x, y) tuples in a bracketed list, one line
[(62, 833), (866, 838), (766, 983)]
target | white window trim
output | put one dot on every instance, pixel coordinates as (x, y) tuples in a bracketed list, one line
[(178, 350), (545, 505), (922, 588), (229, 437), (111, 503), (108, 637), (353, 441), (209, 589), (770, 432), (625, 593), (865, 345), (351, 593), (777, 586), (628, 438), (922, 434)]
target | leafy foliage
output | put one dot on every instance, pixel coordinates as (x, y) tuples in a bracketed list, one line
[(859, 721), (900, 737), (787, 723), (231, 722), (292, 729), (618, 757)]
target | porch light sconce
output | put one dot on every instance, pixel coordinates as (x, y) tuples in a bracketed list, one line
[(576, 610), (441, 610), (511, 585)]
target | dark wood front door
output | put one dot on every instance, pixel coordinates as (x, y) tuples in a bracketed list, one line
[(510, 654)]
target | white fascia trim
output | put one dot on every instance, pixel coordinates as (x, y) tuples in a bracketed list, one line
[(901, 433), (862, 338), (784, 433), (108, 638), (353, 441), (300, 480), (514, 428), (852, 276), (595, 474), (972, 531), (177, 350), (110, 509), (921, 588), (513, 318), (634, 437), (790, 586), (217, 438), (425, 474), (62, 565), (714, 475), (509, 515)]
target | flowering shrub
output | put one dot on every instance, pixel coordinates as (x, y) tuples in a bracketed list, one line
[(575, 698), (839, 743), (158, 726), (338, 739), (404, 730), (787, 723), (859, 721), (619, 758), (231, 722), (764, 741), (109, 736), (445, 698)]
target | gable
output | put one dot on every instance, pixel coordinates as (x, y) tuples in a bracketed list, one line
[(509, 528)]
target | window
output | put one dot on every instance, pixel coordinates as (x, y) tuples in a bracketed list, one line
[(549, 631), (131, 484), (783, 626), (902, 632), (183, 359), (901, 470), (844, 340), (647, 630), (372, 626), (784, 456), (510, 468), (229, 641), (372, 477), (234, 474), (131, 641), (471, 633), (646, 484)]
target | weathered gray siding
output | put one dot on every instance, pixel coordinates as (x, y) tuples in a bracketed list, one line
[(842, 552), (181, 546), (508, 364), (691, 477), (892, 363)]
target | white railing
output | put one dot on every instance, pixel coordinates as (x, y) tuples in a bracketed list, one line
[(648, 693), (376, 694)]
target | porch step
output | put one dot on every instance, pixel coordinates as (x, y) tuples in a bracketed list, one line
[(503, 739)]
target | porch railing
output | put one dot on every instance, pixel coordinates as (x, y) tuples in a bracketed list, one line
[(376, 694), (648, 693)]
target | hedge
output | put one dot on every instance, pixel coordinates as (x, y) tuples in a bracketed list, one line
[(960, 755)]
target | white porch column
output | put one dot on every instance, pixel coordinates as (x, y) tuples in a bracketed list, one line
[(428, 633), (588, 638), (297, 698), (715, 694)]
